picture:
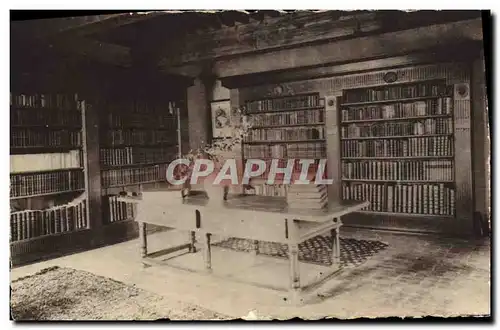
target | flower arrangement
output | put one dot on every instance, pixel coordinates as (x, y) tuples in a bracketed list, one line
[(216, 151)]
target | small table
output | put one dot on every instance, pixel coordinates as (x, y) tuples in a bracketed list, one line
[(257, 218)]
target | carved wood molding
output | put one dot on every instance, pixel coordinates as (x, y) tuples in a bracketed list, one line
[(283, 31), (350, 50), (303, 74)]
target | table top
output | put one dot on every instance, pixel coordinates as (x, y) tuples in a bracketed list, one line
[(264, 205)]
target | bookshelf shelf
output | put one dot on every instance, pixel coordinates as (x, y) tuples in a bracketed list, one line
[(401, 100), (60, 192), (285, 110), (396, 137), (393, 181), (42, 237), (39, 150), (152, 145), (399, 214), (283, 141), (397, 148), (287, 125), (48, 126), (48, 170), (395, 119), (395, 158), (136, 127), (139, 165), (130, 184)]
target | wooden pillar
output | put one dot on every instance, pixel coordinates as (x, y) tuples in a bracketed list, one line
[(91, 157), (333, 148), (480, 137), (197, 114)]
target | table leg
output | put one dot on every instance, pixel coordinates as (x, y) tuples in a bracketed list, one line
[(293, 254), (207, 253), (192, 242), (255, 247), (335, 235), (143, 239)]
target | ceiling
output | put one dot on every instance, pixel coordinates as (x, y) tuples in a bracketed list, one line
[(142, 37)]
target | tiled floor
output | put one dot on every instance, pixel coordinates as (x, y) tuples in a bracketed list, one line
[(412, 276)]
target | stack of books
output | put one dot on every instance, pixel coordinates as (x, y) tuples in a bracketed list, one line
[(307, 196)]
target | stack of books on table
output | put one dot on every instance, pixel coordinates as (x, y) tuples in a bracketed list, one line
[(307, 196)]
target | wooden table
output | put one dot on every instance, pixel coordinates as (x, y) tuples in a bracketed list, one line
[(256, 218)]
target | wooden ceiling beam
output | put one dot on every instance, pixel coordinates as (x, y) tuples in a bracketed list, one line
[(94, 50), (278, 32), (82, 25), (363, 48)]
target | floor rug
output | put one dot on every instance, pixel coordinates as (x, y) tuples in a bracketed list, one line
[(316, 250), (58, 294)]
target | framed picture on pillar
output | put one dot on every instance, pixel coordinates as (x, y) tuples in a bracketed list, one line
[(221, 118)]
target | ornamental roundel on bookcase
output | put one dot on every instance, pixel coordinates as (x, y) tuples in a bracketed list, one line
[(390, 77), (461, 91)]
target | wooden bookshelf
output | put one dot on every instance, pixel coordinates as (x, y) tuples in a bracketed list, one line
[(46, 164), (284, 128), (138, 140), (397, 148)]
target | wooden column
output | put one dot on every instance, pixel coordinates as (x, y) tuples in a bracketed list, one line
[(333, 147), (197, 114), (90, 129), (480, 137)]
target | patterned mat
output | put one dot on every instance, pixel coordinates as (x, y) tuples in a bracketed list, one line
[(316, 250)]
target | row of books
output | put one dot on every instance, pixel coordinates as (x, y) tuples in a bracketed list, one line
[(45, 138), (143, 107), (290, 134), (53, 101), (130, 176), (140, 120), (46, 183), (284, 103), (137, 137), (276, 190), (119, 210), (137, 155), (436, 146), (45, 161), (424, 170), (406, 128), (311, 150), (48, 118), (289, 118), (31, 224), (423, 199), (382, 93), (440, 106), (295, 168)]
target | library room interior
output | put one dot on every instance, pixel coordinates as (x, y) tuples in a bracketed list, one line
[(394, 103)]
